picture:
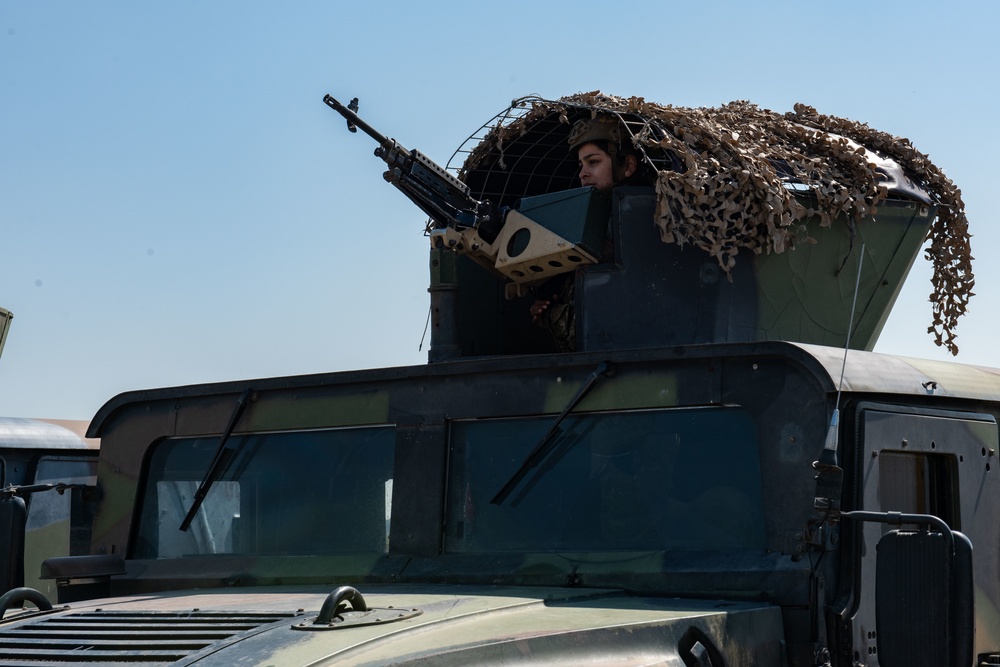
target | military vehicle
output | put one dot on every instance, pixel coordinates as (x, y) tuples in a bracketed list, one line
[(48, 473), (37, 457), (718, 471)]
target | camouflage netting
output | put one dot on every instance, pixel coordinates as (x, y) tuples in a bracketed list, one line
[(733, 173)]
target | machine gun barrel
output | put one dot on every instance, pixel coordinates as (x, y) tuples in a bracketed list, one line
[(354, 121), (437, 193)]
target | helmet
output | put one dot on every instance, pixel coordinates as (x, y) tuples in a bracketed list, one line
[(603, 127)]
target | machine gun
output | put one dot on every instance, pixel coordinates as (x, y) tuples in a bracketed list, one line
[(541, 237), (424, 182)]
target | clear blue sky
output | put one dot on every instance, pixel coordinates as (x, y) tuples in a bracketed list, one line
[(177, 204)]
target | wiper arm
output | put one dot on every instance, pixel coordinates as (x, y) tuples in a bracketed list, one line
[(27, 489), (545, 445), (215, 469)]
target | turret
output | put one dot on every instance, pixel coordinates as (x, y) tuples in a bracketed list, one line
[(755, 226), (595, 222)]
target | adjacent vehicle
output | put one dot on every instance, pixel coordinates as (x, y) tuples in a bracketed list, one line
[(719, 472), (48, 473)]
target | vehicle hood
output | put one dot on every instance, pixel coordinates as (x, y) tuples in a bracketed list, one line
[(405, 625)]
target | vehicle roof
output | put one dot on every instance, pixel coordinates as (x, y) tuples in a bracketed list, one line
[(871, 372), (25, 433)]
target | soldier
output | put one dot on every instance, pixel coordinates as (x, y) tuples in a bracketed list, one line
[(605, 161)]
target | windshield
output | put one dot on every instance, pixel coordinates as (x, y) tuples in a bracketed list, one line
[(306, 492), (683, 479)]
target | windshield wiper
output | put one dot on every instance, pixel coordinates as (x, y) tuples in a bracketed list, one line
[(215, 470), (548, 441)]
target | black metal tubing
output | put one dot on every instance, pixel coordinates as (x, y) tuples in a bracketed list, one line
[(24, 594), (900, 518), (333, 600)]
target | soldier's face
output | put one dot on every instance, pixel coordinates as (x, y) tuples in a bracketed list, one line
[(595, 167)]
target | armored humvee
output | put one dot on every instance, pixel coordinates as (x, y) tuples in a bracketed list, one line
[(719, 472)]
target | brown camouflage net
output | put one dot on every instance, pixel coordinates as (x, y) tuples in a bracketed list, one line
[(731, 194)]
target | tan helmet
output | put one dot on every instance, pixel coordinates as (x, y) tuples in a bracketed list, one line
[(603, 127)]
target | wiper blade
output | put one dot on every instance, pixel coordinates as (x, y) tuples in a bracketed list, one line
[(548, 441), (215, 469)]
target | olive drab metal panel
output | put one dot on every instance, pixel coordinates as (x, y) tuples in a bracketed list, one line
[(931, 462)]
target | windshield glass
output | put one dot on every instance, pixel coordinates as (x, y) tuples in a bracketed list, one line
[(306, 492), (683, 479)]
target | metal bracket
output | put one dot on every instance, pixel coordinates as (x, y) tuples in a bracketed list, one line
[(334, 614), (356, 619)]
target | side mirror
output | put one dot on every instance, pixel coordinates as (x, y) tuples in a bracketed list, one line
[(924, 612)]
